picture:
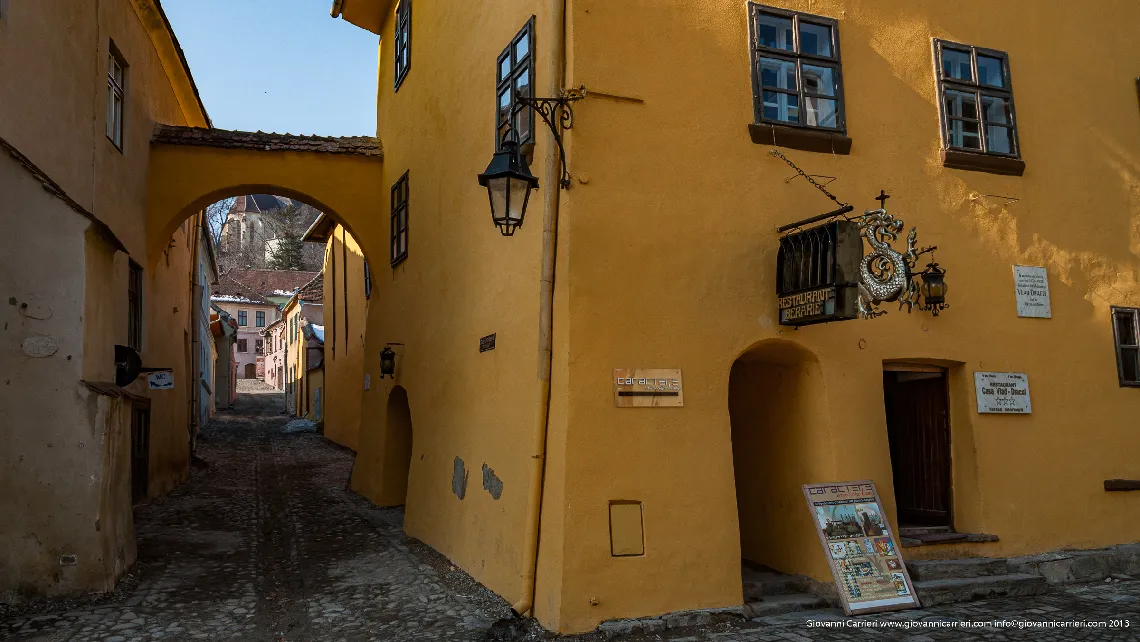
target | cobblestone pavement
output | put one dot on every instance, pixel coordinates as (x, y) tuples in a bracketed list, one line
[(265, 543)]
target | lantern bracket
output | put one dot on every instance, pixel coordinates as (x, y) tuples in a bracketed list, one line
[(558, 114)]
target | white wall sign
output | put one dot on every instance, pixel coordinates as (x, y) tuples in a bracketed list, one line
[(1031, 284), (367, 381), (1002, 392), (161, 380)]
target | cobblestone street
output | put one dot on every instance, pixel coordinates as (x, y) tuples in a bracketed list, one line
[(265, 543)]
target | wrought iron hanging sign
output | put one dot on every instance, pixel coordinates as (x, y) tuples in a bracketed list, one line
[(822, 274)]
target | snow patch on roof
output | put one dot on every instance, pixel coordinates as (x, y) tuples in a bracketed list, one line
[(318, 330), (230, 298)]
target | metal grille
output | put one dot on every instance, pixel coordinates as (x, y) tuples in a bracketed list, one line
[(806, 259)]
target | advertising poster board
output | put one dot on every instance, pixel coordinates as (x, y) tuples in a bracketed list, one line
[(861, 549)]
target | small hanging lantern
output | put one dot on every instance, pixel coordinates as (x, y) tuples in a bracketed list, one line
[(509, 183), (387, 362), (934, 288)]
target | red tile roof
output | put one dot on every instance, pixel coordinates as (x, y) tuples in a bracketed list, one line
[(263, 141), (313, 291), (272, 282), (230, 290)]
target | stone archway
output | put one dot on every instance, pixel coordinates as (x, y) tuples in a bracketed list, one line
[(191, 168), (781, 439)]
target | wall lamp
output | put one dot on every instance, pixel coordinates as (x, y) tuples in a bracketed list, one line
[(508, 178), (388, 361)]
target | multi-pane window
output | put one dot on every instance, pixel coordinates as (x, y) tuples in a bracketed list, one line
[(976, 99), (260, 318), (367, 281), (258, 346), (242, 318), (116, 82), (1126, 327), (134, 306), (243, 346), (515, 77), (402, 51), (400, 220), (796, 76)]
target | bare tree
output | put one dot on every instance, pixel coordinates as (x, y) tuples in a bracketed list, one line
[(217, 217), (248, 241)]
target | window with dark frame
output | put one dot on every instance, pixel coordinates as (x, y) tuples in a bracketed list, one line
[(116, 89), (975, 98), (242, 345), (1126, 331), (243, 319), (367, 281), (796, 76), (514, 75), (260, 318), (134, 306), (258, 346), (399, 216), (402, 42)]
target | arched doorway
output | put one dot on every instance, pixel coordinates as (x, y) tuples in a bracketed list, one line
[(397, 448), (780, 441)]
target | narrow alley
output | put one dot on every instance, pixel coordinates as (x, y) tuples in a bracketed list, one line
[(266, 543)]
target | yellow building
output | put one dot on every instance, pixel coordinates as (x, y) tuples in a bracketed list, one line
[(82, 84), (303, 315), (662, 253), (348, 290)]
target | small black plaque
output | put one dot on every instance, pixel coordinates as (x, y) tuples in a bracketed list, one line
[(487, 343)]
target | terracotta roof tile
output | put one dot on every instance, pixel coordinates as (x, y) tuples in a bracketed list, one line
[(230, 290), (262, 141), (313, 291), (272, 282)]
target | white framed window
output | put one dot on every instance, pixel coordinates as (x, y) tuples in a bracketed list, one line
[(116, 89)]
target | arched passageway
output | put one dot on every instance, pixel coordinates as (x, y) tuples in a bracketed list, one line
[(397, 448), (780, 441)]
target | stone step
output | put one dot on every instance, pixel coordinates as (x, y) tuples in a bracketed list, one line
[(761, 584), (950, 591), (781, 604), (956, 569)]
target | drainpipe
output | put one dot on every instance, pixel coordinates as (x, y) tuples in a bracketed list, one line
[(556, 71)]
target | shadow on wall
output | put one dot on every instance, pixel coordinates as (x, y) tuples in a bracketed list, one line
[(397, 449), (780, 440)]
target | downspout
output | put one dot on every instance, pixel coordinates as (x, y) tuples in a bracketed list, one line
[(557, 71), (195, 374)]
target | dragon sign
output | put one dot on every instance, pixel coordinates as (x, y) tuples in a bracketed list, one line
[(886, 274)]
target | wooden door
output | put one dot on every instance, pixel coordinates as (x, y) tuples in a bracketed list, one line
[(140, 453), (250, 371), (918, 427)]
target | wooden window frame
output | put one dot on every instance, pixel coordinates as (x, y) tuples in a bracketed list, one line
[(983, 158), (506, 83), (799, 134), (1120, 344), (116, 96), (402, 43), (259, 346), (135, 306), (398, 245), (259, 318), (243, 345), (243, 319)]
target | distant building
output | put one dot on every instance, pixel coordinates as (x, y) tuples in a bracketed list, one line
[(253, 313), (246, 227), (305, 307)]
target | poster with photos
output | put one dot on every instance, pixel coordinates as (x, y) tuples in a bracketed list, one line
[(861, 549)]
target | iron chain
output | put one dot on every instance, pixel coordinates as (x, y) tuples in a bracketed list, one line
[(775, 152)]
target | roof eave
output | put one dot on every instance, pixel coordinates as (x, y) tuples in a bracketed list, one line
[(366, 14)]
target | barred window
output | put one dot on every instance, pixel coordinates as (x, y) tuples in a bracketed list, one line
[(258, 346), (1126, 329), (400, 220), (243, 346), (402, 50)]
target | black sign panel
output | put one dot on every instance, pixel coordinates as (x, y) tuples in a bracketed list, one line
[(817, 272), (487, 343)]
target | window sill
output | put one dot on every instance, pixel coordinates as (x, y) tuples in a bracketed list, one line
[(808, 140), (989, 163)]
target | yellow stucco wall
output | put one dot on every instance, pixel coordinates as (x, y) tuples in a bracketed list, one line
[(667, 256), (345, 316), (460, 281)]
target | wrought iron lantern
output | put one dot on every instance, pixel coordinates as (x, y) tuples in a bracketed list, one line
[(933, 288), (387, 362), (509, 183)]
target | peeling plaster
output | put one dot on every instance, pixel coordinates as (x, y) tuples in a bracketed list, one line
[(39, 347), (459, 479), (491, 482)]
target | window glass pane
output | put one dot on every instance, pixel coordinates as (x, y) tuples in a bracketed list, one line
[(522, 115), (964, 133), (504, 106), (777, 73), (989, 71), (522, 48), (996, 110), (505, 67), (110, 111), (1130, 364), (815, 39), (1126, 329), (782, 107), (961, 104), (774, 32), (820, 112), (999, 139), (819, 80), (956, 64)]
